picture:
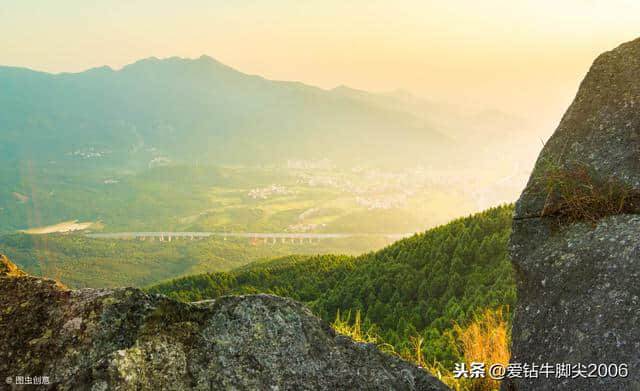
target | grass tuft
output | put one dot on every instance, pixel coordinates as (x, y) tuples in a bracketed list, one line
[(578, 194), (485, 340)]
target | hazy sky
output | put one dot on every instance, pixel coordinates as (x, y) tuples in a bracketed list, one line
[(524, 57)]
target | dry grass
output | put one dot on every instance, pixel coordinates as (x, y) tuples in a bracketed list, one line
[(416, 348), (577, 194), (8, 268), (342, 325), (486, 340)]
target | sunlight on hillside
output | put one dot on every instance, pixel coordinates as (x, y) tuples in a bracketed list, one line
[(486, 339)]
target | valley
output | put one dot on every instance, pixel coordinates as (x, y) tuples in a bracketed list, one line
[(242, 214), (283, 198)]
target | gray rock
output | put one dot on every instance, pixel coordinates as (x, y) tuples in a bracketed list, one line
[(125, 339), (600, 130), (578, 287)]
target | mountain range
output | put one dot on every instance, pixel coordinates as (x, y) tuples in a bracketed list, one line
[(200, 110)]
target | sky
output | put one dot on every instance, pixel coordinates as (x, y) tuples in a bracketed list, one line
[(522, 57)]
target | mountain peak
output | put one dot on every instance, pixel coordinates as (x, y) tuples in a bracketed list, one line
[(205, 57), (101, 69), (204, 61)]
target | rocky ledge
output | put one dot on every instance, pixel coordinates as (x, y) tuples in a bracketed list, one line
[(126, 339)]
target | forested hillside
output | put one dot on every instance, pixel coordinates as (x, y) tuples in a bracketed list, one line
[(420, 286), (300, 277), (82, 262)]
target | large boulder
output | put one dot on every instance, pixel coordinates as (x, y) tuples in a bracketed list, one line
[(125, 339), (575, 242)]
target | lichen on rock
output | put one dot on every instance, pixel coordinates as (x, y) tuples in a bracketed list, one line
[(126, 339)]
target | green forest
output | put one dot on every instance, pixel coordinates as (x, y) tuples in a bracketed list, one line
[(82, 262), (418, 287)]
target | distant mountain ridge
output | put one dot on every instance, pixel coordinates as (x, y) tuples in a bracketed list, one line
[(201, 110)]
